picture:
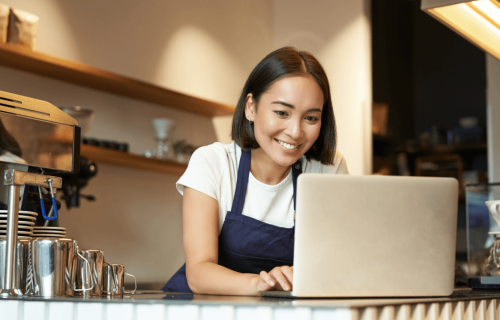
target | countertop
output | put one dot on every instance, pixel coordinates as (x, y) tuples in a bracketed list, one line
[(148, 305), (155, 297)]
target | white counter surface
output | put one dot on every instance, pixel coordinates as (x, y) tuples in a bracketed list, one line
[(200, 307)]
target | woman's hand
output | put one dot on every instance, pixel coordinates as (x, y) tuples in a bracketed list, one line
[(280, 278)]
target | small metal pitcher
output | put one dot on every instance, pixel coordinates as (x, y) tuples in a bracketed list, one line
[(95, 259), (114, 279), (21, 275)]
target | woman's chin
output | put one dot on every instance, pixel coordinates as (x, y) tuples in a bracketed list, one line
[(287, 157), (286, 161)]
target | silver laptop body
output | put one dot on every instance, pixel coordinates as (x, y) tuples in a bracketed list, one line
[(374, 236)]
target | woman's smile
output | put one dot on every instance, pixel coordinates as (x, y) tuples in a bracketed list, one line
[(288, 146)]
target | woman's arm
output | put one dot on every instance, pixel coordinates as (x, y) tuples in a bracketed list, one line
[(200, 216)]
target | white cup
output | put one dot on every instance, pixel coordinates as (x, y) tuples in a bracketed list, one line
[(494, 208)]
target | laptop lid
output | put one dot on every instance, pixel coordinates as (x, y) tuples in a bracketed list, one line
[(374, 236)]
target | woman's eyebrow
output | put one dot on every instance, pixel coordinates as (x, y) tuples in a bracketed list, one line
[(291, 106)]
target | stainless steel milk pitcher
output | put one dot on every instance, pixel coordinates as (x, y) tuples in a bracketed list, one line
[(21, 274), (113, 282), (89, 276), (53, 266)]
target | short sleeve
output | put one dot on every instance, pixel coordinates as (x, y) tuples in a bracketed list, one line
[(204, 171), (339, 166)]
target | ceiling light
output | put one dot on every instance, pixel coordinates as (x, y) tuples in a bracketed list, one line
[(477, 21)]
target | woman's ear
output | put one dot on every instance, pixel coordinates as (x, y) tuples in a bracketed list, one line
[(250, 108)]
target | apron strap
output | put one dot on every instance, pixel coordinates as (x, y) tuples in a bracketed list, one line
[(296, 171), (242, 182)]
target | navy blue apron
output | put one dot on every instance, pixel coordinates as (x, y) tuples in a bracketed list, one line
[(247, 245)]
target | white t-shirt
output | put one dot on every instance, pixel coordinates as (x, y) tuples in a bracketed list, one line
[(213, 170)]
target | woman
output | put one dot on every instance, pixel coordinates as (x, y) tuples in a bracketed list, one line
[(239, 199)]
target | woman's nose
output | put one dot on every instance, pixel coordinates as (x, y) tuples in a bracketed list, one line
[(294, 129)]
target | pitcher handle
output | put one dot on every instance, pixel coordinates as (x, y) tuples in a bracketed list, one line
[(29, 282), (135, 280), (90, 272)]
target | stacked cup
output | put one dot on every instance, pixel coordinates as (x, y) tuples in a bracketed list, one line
[(53, 232), (25, 224)]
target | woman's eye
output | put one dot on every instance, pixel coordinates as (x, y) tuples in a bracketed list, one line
[(312, 119), (281, 113)]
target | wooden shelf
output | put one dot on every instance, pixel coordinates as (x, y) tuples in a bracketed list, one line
[(13, 56), (445, 149), (119, 158)]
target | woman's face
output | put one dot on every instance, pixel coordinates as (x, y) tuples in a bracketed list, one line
[(287, 119)]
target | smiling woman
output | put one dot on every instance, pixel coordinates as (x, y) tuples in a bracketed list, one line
[(279, 65), (239, 199), (286, 124)]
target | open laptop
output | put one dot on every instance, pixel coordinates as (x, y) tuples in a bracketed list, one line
[(374, 236)]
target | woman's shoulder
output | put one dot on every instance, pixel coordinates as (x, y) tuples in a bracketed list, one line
[(339, 165), (206, 169), (217, 153)]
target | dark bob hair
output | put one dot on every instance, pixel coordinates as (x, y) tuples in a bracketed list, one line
[(279, 64)]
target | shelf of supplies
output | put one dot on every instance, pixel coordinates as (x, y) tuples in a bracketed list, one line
[(13, 56), (445, 149), (125, 159)]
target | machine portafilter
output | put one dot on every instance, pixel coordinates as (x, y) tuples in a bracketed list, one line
[(34, 136)]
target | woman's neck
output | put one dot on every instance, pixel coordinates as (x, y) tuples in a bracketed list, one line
[(264, 169)]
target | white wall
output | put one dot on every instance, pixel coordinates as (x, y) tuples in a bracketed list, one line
[(493, 117), (338, 34), (203, 48)]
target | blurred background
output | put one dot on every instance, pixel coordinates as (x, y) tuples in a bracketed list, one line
[(409, 97)]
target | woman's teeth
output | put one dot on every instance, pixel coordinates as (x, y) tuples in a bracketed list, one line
[(288, 146)]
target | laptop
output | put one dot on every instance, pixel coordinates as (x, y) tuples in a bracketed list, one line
[(374, 236)]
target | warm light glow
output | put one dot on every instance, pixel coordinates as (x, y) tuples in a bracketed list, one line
[(477, 21), (488, 10)]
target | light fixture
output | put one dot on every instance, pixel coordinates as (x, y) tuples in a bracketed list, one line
[(477, 21)]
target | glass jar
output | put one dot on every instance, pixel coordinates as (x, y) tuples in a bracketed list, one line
[(493, 266)]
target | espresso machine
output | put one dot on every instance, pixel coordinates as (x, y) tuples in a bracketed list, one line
[(37, 141)]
